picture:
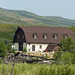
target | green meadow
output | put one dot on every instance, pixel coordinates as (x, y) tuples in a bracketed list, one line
[(37, 69)]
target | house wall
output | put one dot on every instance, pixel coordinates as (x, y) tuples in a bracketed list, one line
[(29, 47), (37, 47), (16, 47)]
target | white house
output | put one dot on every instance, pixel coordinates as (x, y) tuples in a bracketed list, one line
[(40, 38)]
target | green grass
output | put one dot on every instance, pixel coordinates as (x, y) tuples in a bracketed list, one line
[(37, 69), (73, 29)]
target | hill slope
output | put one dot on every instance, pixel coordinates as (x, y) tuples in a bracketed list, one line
[(27, 18)]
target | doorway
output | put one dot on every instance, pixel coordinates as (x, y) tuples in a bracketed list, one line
[(20, 46)]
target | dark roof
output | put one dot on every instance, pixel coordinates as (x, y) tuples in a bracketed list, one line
[(50, 31)]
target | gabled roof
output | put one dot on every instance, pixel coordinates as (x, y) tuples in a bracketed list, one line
[(50, 31)]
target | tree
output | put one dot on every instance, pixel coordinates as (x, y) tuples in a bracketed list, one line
[(68, 45), (9, 47), (3, 49), (66, 54)]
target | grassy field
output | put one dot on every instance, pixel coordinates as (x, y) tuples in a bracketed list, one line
[(37, 69)]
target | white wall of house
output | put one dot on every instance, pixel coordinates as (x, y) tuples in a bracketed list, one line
[(29, 47), (37, 47), (16, 46)]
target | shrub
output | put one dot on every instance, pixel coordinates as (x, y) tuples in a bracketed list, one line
[(13, 50), (68, 58), (9, 47), (24, 50), (64, 58), (3, 49), (1, 60)]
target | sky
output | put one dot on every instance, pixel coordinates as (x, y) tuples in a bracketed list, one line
[(60, 8)]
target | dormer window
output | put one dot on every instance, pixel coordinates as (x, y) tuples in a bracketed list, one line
[(55, 36), (35, 36), (65, 36), (45, 36), (18, 36)]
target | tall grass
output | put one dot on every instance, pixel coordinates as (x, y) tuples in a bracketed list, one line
[(37, 69)]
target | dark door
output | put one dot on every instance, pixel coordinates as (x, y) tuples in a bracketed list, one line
[(33, 47), (20, 46)]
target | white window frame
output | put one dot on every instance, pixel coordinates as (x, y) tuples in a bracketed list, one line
[(55, 36), (45, 36)]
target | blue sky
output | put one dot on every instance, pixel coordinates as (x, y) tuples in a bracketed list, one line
[(62, 8)]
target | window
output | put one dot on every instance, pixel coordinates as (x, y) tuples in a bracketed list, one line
[(55, 36), (35, 36), (65, 36), (23, 36), (18, 36), (40, 46), (45, 36), (33, 47)]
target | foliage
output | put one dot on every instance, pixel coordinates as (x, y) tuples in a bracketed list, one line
[(38, 69), (1, 60), (67, 53), (13, 50), (3, 49), (73, 29), (9, 47), (24, 50), (68, 58), (57, 55), (68, 45)]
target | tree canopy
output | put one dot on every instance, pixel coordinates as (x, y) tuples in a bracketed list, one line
[(68, 45)]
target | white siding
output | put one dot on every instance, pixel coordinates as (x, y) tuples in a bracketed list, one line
[(37, 47), (17, 46), (29, 47)]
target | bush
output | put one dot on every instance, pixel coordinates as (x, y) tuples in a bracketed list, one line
[(24, 50), (13, 51), (3, 49), (9, 47), (68, 58), (64, 58), (57, 55)]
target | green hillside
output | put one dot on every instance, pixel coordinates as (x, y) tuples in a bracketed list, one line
[(27, 18)]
